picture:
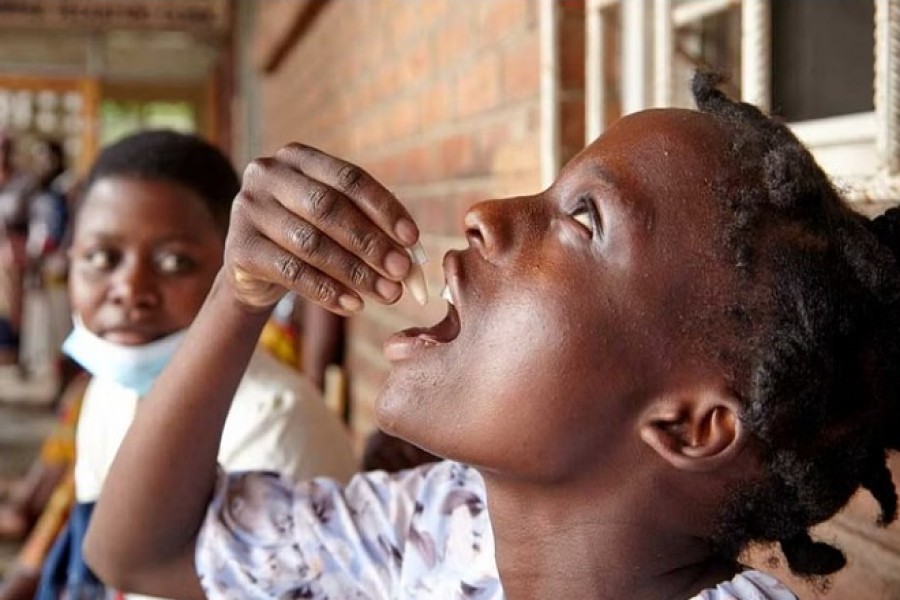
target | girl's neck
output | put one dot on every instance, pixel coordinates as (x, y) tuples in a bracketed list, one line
[(567, 544)]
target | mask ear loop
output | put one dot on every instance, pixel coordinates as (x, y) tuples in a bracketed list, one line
[(415, 280)]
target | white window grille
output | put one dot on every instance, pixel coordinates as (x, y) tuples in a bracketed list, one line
[(887, 84), (862, 149), (596, 94)]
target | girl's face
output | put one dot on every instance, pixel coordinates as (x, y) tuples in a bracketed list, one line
[(572, 308), (144, 256)]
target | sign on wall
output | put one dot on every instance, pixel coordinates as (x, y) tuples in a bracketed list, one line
[(197, 15)]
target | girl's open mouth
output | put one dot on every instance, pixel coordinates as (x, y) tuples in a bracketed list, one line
[(404, 344)]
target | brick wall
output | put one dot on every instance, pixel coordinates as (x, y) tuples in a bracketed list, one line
[(439, 100)]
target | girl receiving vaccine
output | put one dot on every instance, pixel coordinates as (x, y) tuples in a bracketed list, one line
[(687, 345)]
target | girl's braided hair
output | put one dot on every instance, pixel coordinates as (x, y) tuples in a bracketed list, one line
[(817, 310)]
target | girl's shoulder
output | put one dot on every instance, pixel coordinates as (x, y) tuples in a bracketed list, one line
[(421, 529), (748, 585)]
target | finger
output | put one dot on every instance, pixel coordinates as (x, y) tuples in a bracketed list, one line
[(334, 214), (375, 201), (311, 245), (269, 262)]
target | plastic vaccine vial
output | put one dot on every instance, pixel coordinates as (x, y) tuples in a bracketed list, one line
[(415, 280)]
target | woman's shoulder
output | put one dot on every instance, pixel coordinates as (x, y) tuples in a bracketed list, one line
[(372, 499), (435, 490), (424, 528)]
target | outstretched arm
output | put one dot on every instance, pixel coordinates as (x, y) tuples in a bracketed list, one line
[(303, 221)]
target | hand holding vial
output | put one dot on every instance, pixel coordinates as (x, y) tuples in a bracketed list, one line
[(324, 228)]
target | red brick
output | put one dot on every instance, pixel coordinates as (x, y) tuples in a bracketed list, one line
[(431, 12), (438, 104), (402, 22), (415, 165), (490, 137), (384, 83), (521, 69), (404, 117), (456, 155), (502, 18), (424, 213), (479, 85), (452, 43), (415, 66)]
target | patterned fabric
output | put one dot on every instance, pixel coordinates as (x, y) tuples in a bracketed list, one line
[(58, 449), (422, 533), (59, 446), (281, 340), (749, 585)]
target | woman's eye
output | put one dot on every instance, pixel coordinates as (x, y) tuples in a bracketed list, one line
[(172, 263)]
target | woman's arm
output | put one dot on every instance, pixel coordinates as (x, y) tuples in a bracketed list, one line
[(303, 221)]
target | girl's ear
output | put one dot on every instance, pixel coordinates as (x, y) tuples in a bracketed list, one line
[(700, 431)]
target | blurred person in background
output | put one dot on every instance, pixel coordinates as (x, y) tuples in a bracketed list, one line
[(15, 187), (147, 241), (46, 315)]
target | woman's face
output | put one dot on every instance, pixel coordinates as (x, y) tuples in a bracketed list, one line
[(144, 256), (572, 308)]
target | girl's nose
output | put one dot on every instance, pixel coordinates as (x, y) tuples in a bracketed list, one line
[(134, 286), (487, 228)]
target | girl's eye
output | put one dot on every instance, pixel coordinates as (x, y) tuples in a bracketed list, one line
[(172, 263), (584, 217), (586, 214), (101, 259)]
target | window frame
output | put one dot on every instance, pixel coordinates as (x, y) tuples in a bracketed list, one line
[(862, 149)]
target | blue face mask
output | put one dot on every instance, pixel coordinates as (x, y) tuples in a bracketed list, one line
[(134, 367)]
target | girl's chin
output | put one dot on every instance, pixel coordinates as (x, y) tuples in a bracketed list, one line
[(389, 409), (399, 414)]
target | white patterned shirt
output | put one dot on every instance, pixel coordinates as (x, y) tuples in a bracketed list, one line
[(421, 533)]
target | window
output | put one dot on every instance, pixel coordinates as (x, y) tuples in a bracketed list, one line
[(815, 63), (121, 118), (823, 56), (34, 108)]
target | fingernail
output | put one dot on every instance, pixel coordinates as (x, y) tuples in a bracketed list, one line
[(407, 231), (415, 283), (349, 303), (396, 263), (417, 253), (387, 289)]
